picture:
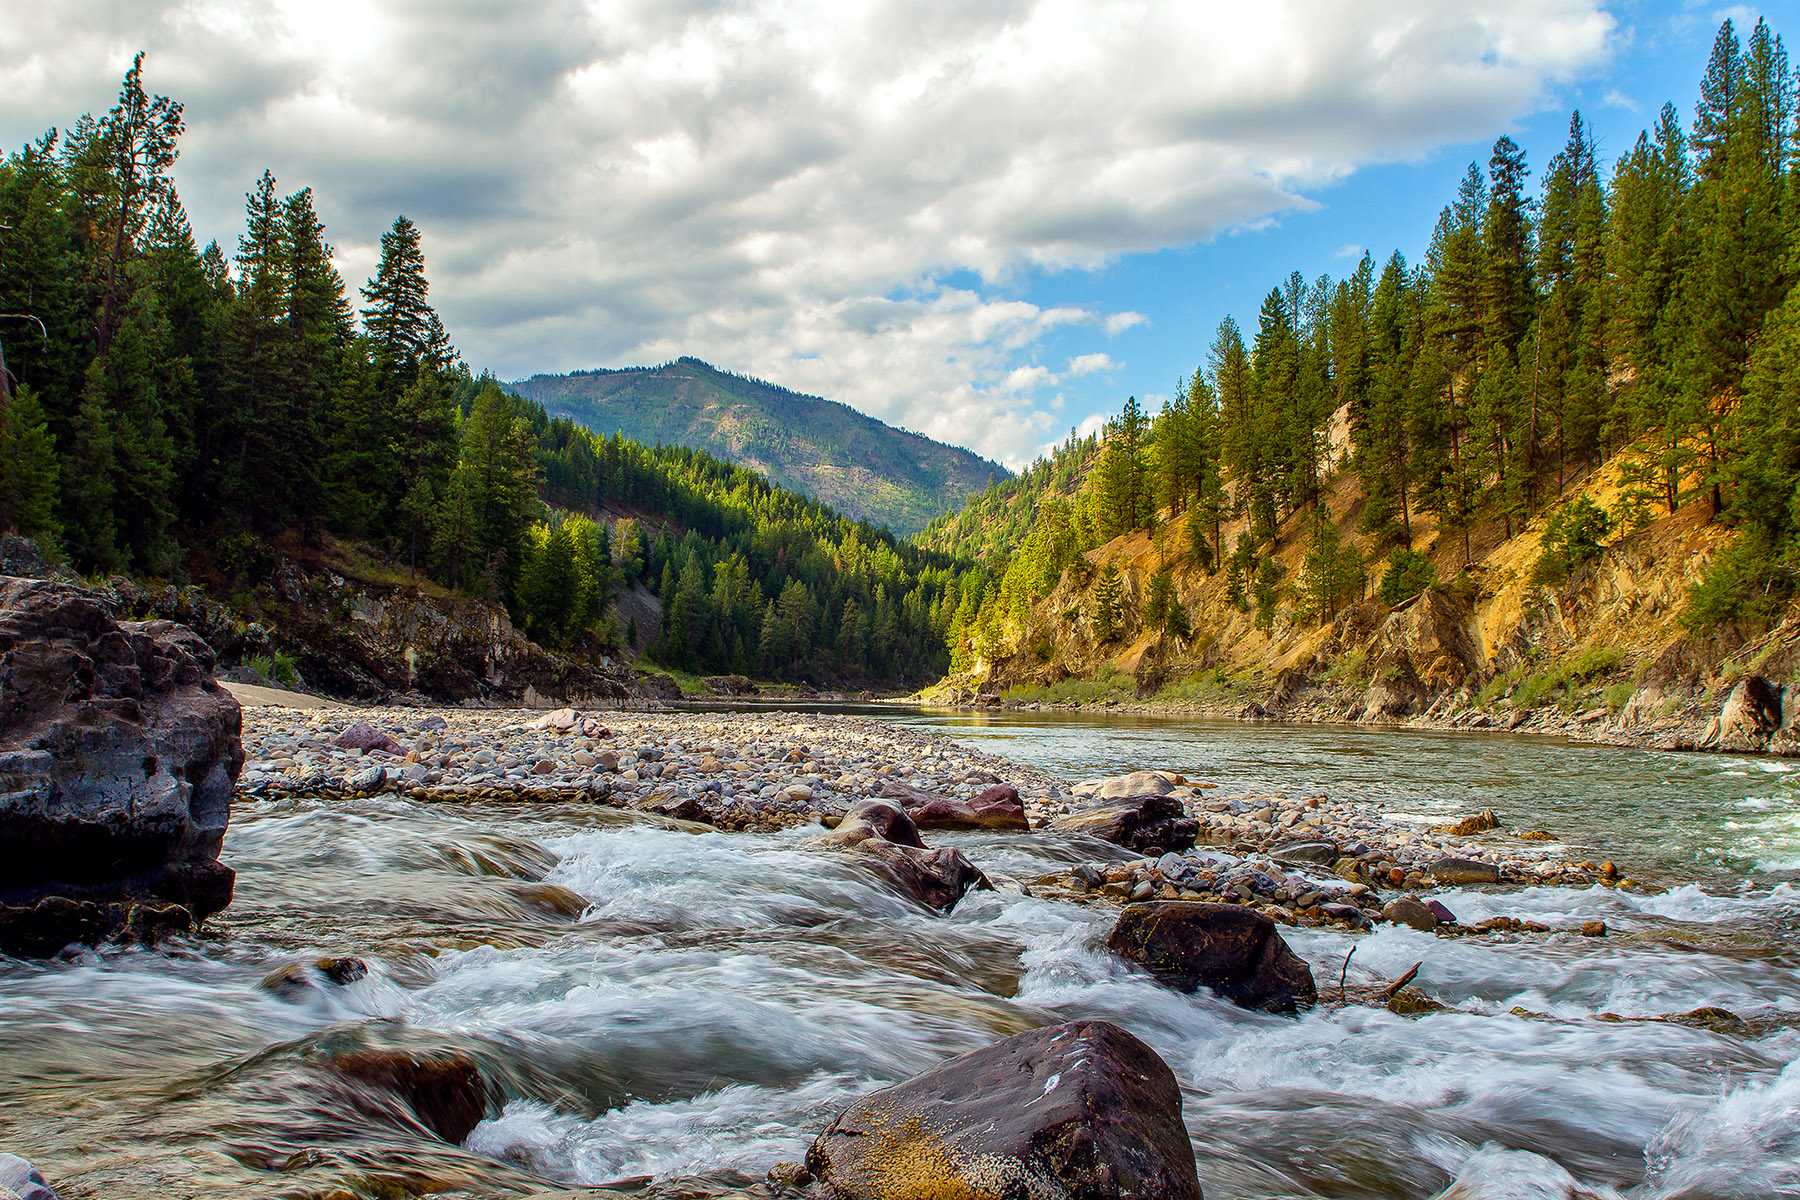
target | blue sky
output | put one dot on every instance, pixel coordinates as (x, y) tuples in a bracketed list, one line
[(985, 220), (1657, 56)]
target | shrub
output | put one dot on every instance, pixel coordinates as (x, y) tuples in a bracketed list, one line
[(1408, 573), (1574, 534)]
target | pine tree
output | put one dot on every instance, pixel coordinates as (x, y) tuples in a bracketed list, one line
[(28, 472)]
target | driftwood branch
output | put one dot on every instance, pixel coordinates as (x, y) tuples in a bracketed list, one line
[(1343, 974), (1393, 989)]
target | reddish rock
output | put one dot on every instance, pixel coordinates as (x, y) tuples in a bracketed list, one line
[(995, 808)]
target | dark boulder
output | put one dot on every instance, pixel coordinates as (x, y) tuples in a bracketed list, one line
[(880, 831), (1082, 1110), (732, 685), (118, 758), (995, 808), (1232, 950), (1140, 823)]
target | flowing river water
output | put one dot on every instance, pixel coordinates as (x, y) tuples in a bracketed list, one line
[(693, 1006)]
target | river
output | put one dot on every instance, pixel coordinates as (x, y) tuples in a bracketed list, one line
[(720, 997)]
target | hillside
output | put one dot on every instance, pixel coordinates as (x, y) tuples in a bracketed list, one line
[(1548, 477), (854, 463)]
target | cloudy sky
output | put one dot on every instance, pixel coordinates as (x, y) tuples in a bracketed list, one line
[(986, 220)]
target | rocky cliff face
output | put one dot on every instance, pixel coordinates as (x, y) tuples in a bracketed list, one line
[(370, 641), (1601, 655), (118, 757)]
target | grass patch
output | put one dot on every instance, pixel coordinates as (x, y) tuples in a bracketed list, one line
[(1574, 683), (1108, 683), (1205, 687)]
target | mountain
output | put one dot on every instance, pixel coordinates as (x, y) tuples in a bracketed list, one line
[(824, 449)]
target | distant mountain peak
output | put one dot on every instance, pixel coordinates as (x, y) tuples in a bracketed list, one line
[(824, 448)]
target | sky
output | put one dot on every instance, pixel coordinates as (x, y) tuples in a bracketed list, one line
[(988, 221)]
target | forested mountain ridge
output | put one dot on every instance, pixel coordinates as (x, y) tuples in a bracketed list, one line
[(821, 448), (1594, 385), (180, 414)]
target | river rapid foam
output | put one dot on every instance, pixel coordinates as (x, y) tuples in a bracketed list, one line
[(692, 1006)]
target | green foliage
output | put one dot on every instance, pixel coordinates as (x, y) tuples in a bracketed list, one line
[(1575, 534), (1106, 605), (1108, 683), (1407, 574), (1749, 584)]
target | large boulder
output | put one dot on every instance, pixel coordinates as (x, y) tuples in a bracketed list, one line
[(1750, 716), (1146, 822), (880, 831), (994, 808), (118, 758), (1083, 1111), (1232, 950)]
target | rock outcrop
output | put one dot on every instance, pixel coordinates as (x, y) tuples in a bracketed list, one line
[(1230, 949), (1751, 717), (881, 832), (369, 641), (1082, 1110), (118, 758)]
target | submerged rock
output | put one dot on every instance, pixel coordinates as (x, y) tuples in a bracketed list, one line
[(118, 757), (444, 1088), (1082, 1110), (1229, 949), (1461, 872), (881, 831)]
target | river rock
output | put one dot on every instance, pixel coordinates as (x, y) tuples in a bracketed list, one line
[(1082, 1110), (444, 1088), (997, 807), (1137, 823), (1461, 872), (672, 806), (118, 757), (1405, 910), (19, 1180), (881, 831), (1230, 949), (360, 735), (1124, 787), (1306, 853)]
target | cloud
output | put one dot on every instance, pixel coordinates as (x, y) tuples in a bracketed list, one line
[(1088, 364), (1350, 250), (1614, 98), (783, 186)]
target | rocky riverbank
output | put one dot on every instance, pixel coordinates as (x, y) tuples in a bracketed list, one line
[(1301, 859)]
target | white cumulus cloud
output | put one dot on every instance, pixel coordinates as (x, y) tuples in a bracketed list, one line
[(838, 195)]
